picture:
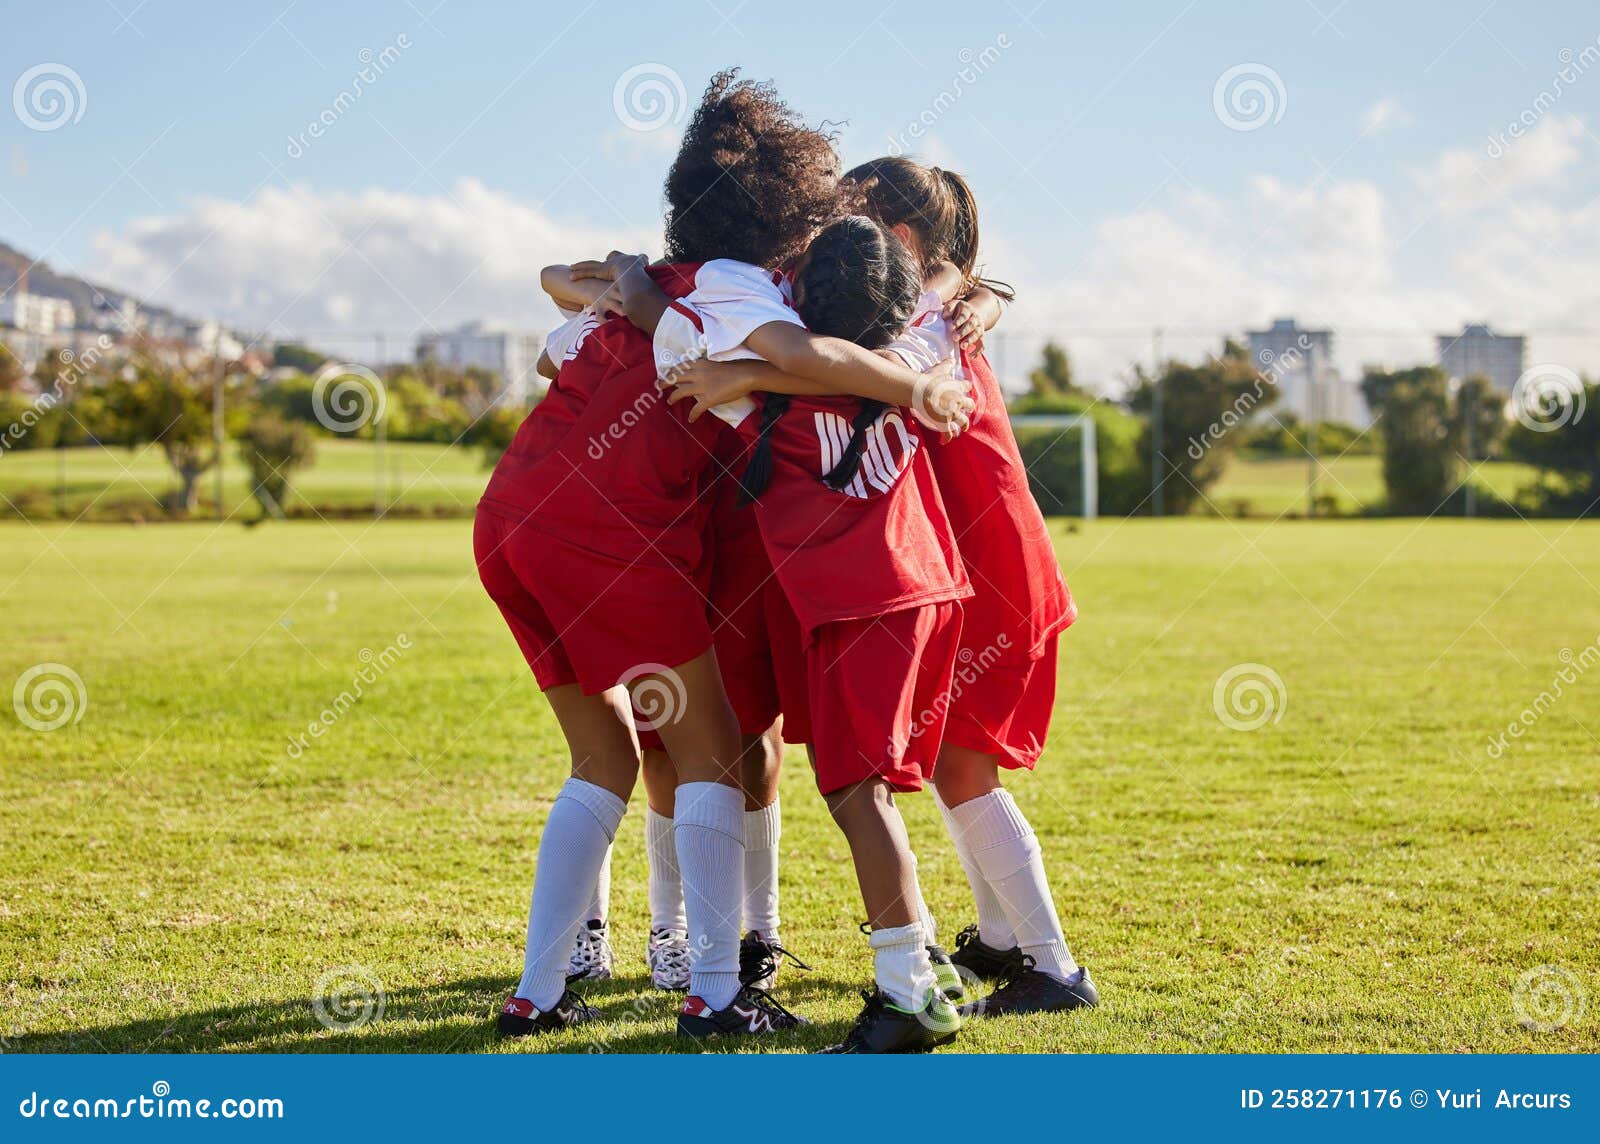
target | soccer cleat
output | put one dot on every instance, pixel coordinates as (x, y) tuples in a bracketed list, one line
[(946, 975), (518, 1017), (591, 953), (1030, 991), (982, 961), (760, 957), (668, 958), (884, 1027), (752, 1011)]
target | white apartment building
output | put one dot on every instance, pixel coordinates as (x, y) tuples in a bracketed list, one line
[(514, 356), (1477, 351), (1295, 358), (36, 314)]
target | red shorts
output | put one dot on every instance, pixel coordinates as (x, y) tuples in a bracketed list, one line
[(581, 617), (874, 697), (1003, 708)]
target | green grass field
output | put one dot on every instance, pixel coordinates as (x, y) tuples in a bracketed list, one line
[(1360, 874), (438, 479), (420, 477)]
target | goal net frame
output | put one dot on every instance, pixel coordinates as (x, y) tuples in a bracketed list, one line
[(1088, 448)]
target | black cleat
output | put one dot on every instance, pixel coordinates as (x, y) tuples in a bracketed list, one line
[(947, 975), (760, 957), (884, 1027), (518, 1018), (984, 962), (752, 1011), (1030, 991)]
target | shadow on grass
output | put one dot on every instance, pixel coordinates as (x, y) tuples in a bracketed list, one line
[(454, 1017)]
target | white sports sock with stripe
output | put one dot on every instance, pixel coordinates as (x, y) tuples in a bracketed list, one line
[(900, 964), (994, 928), (666, 888), (708, 827), (572, 849), (762, 830), (600, 905), (1007, 853)]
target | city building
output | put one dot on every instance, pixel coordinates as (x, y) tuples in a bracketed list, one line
[(1293, 357), (514, 356), (35, 313), (1477, 351)]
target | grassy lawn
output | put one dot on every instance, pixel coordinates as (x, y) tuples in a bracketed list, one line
[(1273, 487), (445, 480), (344, 474), (1359, 874)]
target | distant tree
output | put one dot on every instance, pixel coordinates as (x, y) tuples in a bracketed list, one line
[(273, 448), (166, 406), (1566, 449), (286, 355), (1201, 406), (1480, 416), (1053, 377), (1422, 436), (12, 375)]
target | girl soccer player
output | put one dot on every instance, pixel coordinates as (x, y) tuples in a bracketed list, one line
[(590, 534), (867, 627), (1000, 705)]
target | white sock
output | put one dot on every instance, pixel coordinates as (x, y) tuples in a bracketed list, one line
[(708, 827), (900, 963), (576, 838), (994, 928), (1007, 853), (600, 905), (930, 931), (762, 829), (666, 888)]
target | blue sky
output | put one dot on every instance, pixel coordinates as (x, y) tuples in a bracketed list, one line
[(1366, 194)]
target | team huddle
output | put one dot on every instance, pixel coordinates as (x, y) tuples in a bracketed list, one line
[(772, 496)]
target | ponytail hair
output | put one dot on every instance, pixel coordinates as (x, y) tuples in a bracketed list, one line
[(757, 473), (961, 243), (849, 464)]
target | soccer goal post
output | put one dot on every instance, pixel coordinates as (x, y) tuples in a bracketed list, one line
[(1042, 437)]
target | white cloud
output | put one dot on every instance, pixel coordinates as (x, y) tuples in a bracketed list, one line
[(1385, 272), (1465, 180), (1384, 115), (1345, 253), (297, 260)]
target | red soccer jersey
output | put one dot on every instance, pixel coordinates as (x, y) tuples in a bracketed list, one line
[(603, 462), (1020, 599), (881, 544)]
